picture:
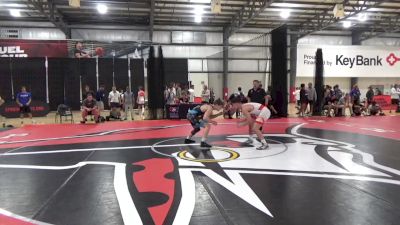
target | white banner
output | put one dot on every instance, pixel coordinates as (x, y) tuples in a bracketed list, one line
[(350, 61)]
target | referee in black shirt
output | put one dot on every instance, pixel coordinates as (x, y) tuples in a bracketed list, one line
[(257, 94)]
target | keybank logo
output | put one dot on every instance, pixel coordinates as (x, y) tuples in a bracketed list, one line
[(392, 59), (359, 60)]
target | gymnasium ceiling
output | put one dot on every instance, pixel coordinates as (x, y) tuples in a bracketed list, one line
[(306, 16)]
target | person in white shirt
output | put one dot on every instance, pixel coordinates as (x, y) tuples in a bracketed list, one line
[(394, 93), (114, 100), (296, 93), (205, 95), (170, 95), (191, 94)]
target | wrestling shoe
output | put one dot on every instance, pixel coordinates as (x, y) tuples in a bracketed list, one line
[(263, 147), (249, 142), (205, 145), (189, 141)]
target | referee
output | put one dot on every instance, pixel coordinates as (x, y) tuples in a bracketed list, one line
[(257, 94)]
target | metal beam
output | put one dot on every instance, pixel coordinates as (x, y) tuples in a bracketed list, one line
[(324, 19), (389, 25), (50, 11), (151, 25), (252, 9)]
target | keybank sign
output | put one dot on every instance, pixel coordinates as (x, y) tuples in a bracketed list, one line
[(350, 61), (359, 60)]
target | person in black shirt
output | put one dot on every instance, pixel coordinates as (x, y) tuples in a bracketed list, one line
[(370, 96), (303, 99), (78, 52), (89, 107), (257, 94)]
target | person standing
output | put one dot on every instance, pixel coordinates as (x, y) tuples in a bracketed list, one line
[(100, 97), (178, 91), (170, 95), (394, 93), (191, 94), (24, 100), (205, 95), (128, 102), (312, 97), (355, 95), (114, 100), (370, 96), (141, 100), (257, 94), (303, 99)]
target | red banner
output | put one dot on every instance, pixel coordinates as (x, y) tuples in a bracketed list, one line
[(33, 48), (384, 101)]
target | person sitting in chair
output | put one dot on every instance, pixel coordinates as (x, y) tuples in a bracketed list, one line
[(90, 108)]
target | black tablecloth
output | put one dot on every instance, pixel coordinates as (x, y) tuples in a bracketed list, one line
[(179, 111)]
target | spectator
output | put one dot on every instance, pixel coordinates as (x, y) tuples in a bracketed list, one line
[(128, 102), (257, 94), (78, 52), (355, 95), (114, 100), (370, 96), (86, 91), (212, 96), (239, 93), (312, 97), (178, 91), (343, 104), (394, 93), (374, 109), (191, 94), (205, 95), (141, 100), (169, 95), (100, 97), (303, 99), (24, 100), (336, 94), (89, 107)]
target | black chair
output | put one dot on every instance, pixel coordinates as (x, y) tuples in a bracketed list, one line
[(64, 111)]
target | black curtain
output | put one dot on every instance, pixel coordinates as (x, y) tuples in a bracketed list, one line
[(5, 79), (106, 73), (319, 82), (31, 73), (56, 82), (72, 83), (176, 70), (279, 71), (121, 77), (87, 71), (137, 74)]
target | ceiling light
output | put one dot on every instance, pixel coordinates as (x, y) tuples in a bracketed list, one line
[(198, 9), (198, 19), (102, 8), (346, 24), (15, 12), (362, 17), (285, 13)]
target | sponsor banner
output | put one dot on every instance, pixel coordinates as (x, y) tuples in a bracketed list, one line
[(33, 48), (384, 101), (350, 61), (11, 109)]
